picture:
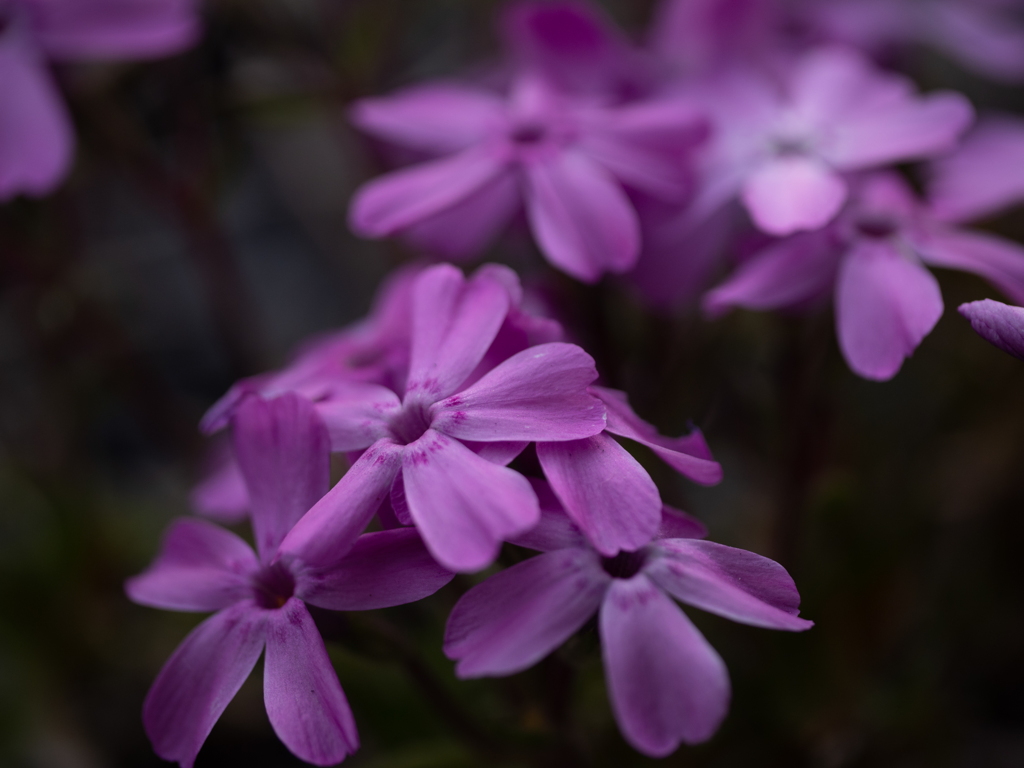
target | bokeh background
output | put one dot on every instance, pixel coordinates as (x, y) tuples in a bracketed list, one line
[(203, 233)]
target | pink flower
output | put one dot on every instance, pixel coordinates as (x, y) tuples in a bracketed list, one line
[(260, 600), (666, 683), (36, 136), (998, 323), (873, 259)]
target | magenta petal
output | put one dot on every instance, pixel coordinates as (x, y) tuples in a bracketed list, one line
[(200, 567), (998, 323), (793, 193), (733, 583), (604, 490), (356, 415), (36, 139), (454, 322), (885, 305), (676, 524), (518, 616), (200, 679), (666, 683), (500, 453), (284, 453), (222, 495), (583, 221), (383, 569), (438, 117), (330, 529), (689, 455), (463, 505), (999, 261), (554, 530), (403, 198), (305, 703), (538, 394)]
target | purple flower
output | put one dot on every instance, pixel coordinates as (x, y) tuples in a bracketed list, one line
[(998, 323), (666, 683), (260, 601), (873, 259), (569, 160), (36, 136)]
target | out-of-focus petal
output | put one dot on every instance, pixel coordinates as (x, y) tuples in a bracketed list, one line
[(733, 583), (383, 569), (999, 261), (538, 394), (463, 505), (885, 305), (666, 683), (305, 703), (222, 494), (793, 193), (356, 415), (200, 679), (581, 217), (700, 35), (518, 616), (676, 524), (604, 490), (284, 452), (984, 39), (554, 530), (200, 567), (998, 323)]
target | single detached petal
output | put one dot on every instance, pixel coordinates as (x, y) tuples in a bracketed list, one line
[(305, 703), (36, 139), (998, 323), (538, 394), (554, 530), (403, 198), (999, 261), (383, 569), (518, 616), (676, 524), (222, 494), (604, 490), (885, 305), (793, 193), (689, 455), (666, 683), (454, 322), (200, 567), (356, 415), (463, 505), (582, 219), (200, 679), (284, 453), (438, 117), (733, 583)]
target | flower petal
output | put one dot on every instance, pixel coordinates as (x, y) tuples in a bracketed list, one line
[(200, 679), (284, 453), (383, 569), (521, 614), (885, 305), (604, 490), (200, 567), (998, 323), (356, 415), (537, 394), (733, 583), (554, 530), (793, 193), (463, 505), (305, 703), (999, 261), (676, 524), (222, 494), (666, 683)]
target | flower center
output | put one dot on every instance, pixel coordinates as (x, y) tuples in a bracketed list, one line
[(410, 423), (624, 565), (875, 227), (273, 586), (528, 134)]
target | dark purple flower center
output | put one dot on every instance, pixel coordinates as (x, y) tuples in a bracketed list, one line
[(528, 133), (624, 565), (876, 227), (410, 423), (273, 586)]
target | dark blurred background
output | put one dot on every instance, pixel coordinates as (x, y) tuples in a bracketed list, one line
[(202, 234)]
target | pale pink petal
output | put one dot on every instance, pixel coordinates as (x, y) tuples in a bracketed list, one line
[(222, 494), (998, 323), (439, 117), (200, 567), (463, 505), (356, 415), (688, 455), (792, 193), (885, 305), (305, 703), (604, 490), (538, 394), (666, 683), (831, 83), (583, 221), (676, 524), (383, 569), (999, 261), (284, 453), (554, 530), (200, 679), (520, 615), (733, 583)]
